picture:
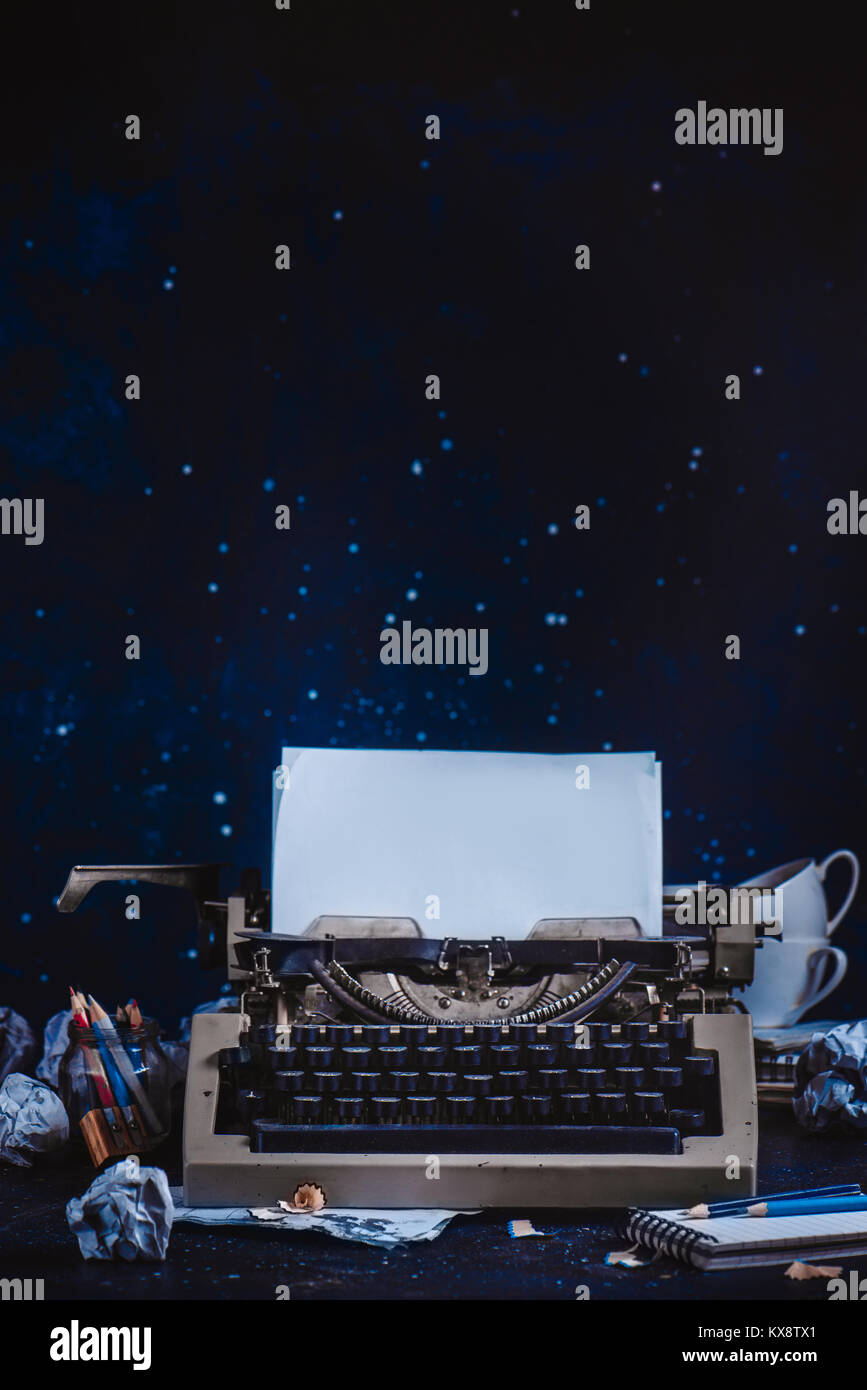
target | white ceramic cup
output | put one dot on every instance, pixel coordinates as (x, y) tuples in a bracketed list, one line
[(790, 978), (800, 895)]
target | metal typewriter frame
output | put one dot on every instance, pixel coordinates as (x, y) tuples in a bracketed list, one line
[(222, 1168)]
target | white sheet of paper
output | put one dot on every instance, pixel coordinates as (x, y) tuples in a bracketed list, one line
[(494, 842)]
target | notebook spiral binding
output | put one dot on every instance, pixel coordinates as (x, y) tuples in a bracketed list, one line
[(666, 1237)]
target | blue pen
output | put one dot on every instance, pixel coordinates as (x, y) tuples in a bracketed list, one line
[(808, 1206)]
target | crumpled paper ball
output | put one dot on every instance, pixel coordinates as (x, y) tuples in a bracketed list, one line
[(125, 1214), (831, 1079), (33, 1120), (18, 1046), (55, 1040)]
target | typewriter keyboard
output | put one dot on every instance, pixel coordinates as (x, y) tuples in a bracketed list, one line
[(522, 1088)]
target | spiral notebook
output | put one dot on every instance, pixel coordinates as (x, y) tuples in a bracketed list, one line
[(731, 1242)]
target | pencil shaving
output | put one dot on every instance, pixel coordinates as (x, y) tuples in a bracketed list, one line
[(308, 1198), (799, 1270)]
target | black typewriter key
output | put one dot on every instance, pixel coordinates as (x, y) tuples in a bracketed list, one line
[(666, 1078), (431, 1057), (441, 1081), (305, 1034), (355, 1058), (653, 1054), (282, 1058), (467, 1057), (487, 1034), (499, 1110), (553, 1078), (375, 1034), (318, 1058), (402, 1082), (327, 1083), (411, 1035), (504, 1055), (697, 1068), (286, 1085), (541, 1054), (576, 1055), (251, 1106), (560, 1034), (598, 1032), (635, 1032), (386, 1110), (648, 1107), (536, 1108), (420, 1109), (629, 1078), (444, 1034), (392, 1058), (232, 1059), (460, 1110), (687, 1121), (264, 1033), (364, 1083), (672, 1030), (348, 1109), (615, 1054), (308, 1110), (478, 1083), (590, 1078), (611, 1106), (339, 1034), (575, 1107), (523, 1032), (511, 1083)]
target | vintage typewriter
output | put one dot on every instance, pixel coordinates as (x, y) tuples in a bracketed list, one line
[(584, 1063)]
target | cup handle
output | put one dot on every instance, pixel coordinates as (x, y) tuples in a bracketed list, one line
[(816, 969), (853, 886)]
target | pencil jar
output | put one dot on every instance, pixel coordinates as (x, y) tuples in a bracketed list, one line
[(116, 1088)]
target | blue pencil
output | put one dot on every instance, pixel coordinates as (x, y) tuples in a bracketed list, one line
[(740, 1204), (809, 1206)]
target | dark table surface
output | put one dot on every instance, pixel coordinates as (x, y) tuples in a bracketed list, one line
[(474, 1258)]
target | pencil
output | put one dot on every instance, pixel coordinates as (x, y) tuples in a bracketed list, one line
[(103, 1023), (809, 1206), (740, 1204)]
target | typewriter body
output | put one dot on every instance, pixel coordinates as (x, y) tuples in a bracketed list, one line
[(584, 1063)]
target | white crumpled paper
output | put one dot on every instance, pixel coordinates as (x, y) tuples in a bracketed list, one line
[(33, 1120), (17, 1044), (55, 1040), (386, 1228), (125, 1214)]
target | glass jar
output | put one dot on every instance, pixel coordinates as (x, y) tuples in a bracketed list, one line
[(116, 1088)]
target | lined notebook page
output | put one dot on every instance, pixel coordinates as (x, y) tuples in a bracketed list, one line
[(765, 1232)]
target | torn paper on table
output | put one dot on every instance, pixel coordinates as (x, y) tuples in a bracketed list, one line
[(384, 1228)]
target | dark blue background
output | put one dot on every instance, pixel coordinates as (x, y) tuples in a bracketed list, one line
[(307, 388)]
